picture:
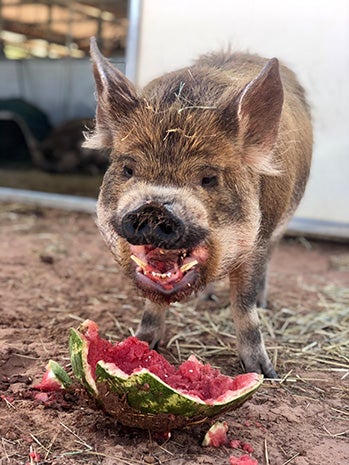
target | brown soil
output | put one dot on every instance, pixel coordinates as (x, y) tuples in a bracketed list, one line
[(55, 272)]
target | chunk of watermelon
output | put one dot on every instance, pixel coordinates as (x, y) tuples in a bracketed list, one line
[(129, 377), (243, 460), (55, 378), (216, 436)]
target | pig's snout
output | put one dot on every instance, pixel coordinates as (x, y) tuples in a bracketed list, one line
[(152, 224)]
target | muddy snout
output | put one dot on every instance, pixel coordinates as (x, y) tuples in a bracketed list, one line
[(152, 224), (155, 224)]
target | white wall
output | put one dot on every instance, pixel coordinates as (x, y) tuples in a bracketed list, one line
[(311, 36)]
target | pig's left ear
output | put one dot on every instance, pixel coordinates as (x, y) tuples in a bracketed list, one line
[(116, 98), (258, 116)]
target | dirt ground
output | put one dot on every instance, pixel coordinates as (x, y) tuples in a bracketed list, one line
[(55, 272)]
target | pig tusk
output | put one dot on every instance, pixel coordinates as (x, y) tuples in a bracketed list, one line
[(139, 262), (188, 266)]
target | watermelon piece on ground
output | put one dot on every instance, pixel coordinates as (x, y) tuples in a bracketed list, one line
[(141, 388), (243, 460), (54, 379), (216, 436)]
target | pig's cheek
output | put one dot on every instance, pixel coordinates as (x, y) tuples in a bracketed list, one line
[(225, 251), (232, 245), (121, 252), (214, 267)]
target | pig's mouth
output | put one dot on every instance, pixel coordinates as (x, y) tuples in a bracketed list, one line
[(168, 271)]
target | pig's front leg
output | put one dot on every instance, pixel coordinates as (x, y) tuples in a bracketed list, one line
[(250, 345), (152, 326)]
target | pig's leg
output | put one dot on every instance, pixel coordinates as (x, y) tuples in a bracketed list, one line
[(263, 288), (152, 326), (244, 292), (263, 268)]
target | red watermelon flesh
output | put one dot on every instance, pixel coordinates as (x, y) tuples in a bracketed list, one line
[(192, 377)]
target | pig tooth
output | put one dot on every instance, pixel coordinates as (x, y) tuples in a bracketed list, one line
[(139, 262), (161, 275), (188, 266), (158, 275)]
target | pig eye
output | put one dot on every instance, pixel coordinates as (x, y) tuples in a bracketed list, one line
[(127, 172), (209, 181)]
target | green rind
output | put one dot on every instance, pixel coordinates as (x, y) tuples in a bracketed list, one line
[(59, 373), (147, 393), (78, 349)]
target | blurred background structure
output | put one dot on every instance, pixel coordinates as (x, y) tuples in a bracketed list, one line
[(47, 90), (62, 28)]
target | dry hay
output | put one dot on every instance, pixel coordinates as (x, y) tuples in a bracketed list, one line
[(307, 339)]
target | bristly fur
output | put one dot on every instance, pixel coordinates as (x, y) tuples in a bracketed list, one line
[(224, 147)]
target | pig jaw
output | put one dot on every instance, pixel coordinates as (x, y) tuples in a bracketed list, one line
[(163, 276), (168, 275), (163, 271)]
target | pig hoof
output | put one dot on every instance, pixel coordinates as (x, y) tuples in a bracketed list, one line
[(271, 373), (268, 373), (156, 346), (153, 341), (266, 368)]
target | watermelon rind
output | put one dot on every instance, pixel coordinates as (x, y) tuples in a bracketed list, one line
[(59, 374), (78, 349), (142, 399), (147, 393)]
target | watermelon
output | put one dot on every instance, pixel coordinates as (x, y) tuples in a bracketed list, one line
[(243, 460), (55, 378), (140, 388), (216, 436)]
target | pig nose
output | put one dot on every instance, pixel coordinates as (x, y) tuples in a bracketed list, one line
[(152, 224)]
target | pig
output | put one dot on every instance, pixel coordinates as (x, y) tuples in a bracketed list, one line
[(207, 165)]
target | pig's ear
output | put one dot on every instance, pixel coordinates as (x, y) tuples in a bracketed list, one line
[(258, 116), (116, 98)]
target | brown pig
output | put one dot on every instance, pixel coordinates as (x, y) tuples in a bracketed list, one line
[(207, 165)]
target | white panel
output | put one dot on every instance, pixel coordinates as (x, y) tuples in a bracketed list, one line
[(312, 37)]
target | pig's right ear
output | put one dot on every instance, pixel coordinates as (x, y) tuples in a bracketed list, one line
[(116, 98)]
